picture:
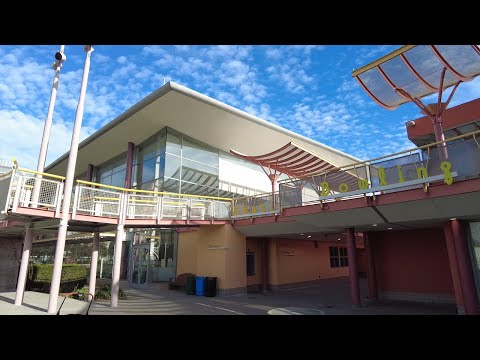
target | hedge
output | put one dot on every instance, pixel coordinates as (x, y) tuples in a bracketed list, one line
[(74, 276)]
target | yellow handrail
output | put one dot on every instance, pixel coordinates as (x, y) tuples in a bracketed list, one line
[(42, 173), (151, 192)]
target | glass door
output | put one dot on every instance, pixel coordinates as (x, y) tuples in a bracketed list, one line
[(140, 262)]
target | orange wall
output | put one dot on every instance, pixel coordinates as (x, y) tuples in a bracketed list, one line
[(272, 262), (211, 253), (299, 260), (187, 252), (236, 264), (254, 245), (413, 261)]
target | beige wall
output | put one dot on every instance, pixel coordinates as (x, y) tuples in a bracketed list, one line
[(236, 264), (299, 260), (211, 253), (255, 246), (272, 262), (187, 252)]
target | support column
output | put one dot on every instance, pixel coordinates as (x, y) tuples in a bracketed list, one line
[(90, 169), (93, 267), (452, 259), (352, 267), (22, 274), (265, 265), (465, 268), (371, 274), (116, 265), (128, 172)]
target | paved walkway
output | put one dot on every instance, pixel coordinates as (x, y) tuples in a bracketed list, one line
[(329, 297), (35, 303)]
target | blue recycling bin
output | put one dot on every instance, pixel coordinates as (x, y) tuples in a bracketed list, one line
[(200, 285)]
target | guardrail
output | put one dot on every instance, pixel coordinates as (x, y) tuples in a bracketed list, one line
[(409, 169)]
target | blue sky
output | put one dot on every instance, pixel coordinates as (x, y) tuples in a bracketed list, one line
[(307, 89)]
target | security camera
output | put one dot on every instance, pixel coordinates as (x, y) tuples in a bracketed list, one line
[(410, 123), (60, 56)]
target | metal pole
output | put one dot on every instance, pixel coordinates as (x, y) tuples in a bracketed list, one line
[(116, 265), (93, 267), (22, 274), (67, 194), (42, 156)]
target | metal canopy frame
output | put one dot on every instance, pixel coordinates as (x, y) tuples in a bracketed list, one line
[(414, 72), (292, 160)]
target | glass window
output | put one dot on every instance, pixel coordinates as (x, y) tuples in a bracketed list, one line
[(199, 173), (172, 166), (155, 185), (195, 189), (475, 244), (174, 143), (118, 179), (338, 256), (151, 169), (197, 151), (250, 263), (171, 185)]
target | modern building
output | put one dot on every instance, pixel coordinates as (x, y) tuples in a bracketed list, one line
[(215, 191)]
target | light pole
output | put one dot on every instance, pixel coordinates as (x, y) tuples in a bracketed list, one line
[(42, 156), (67, 194)]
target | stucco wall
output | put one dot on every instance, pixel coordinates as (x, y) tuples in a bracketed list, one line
[(413, 262), (254, 246), (10, 257), (211, 253), (300, 260), (187, 252)]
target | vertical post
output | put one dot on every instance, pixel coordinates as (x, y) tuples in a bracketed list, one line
[(128, 172), (116, 265), (22, 274), (265, 265), (465, 268), (452, 259), (72, 160), (90, 169), (42, 156), (440, 136), (93, 266), (352, 267), (371, 274)]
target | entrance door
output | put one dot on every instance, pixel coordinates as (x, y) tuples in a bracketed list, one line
[(140, 264)]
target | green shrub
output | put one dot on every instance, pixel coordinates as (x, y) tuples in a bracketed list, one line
[(74, 276), (104, 292)]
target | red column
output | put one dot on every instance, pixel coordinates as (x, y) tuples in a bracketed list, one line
[(452, 259), (352, 267), (90, 172), (128, 172), (371, 274), (465, 268), (265, 265)]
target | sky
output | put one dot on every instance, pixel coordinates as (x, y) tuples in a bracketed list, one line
[(307, 89)]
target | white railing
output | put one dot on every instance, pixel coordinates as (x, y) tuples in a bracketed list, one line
[(22, 192)]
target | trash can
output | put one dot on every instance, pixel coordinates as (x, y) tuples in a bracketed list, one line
[(190, 285), (200, 285), (211, 286)]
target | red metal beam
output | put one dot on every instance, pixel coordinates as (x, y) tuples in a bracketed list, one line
[(448, 65), (390, 82), (417, 75), (261, 156), (378, 101)]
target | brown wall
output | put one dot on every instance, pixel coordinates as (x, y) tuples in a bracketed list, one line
[(187, 252), (211, 253), (10, 258), (299, 261), (255, 246), (413, 261), (236, 264)]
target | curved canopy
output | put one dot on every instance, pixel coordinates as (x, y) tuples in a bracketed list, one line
[(415, 71), (292, 160)]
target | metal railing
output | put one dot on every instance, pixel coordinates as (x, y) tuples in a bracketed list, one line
[(262, 204), (409, 169)]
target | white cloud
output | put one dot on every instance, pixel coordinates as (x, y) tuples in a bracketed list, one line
[(122, 60)]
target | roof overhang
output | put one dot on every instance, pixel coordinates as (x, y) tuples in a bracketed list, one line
[(458, 120), (193, 114)]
